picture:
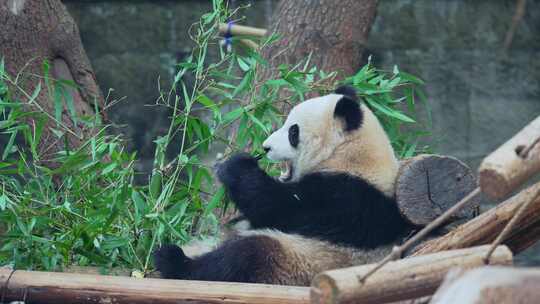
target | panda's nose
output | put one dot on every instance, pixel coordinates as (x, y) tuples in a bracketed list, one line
[(267, 149)]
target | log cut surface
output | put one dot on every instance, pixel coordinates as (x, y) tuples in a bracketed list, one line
[(52, 287), (428, 185)]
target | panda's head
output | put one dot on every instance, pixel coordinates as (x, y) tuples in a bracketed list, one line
[(334, 133)]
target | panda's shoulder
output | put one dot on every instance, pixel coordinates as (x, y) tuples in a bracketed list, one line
[(338, 181)]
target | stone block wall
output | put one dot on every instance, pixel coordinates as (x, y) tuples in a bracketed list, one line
[(479, 97)]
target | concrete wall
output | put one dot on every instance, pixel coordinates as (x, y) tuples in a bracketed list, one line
[(478, 97)]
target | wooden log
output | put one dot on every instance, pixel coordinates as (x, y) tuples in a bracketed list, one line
[(491, 284), (484, 228), (117, 272), (242, 30), (504, 170), (399, 280), (428, 185), (52, 287)]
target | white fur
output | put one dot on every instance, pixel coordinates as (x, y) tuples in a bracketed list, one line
[(312, 117), (324, 146)]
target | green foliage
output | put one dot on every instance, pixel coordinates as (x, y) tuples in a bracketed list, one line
[(89, 211)]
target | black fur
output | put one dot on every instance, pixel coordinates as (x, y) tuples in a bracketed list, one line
[(171, 261), (347, 90), (294, 135), (348, 109), (335, 207), (250, 259)]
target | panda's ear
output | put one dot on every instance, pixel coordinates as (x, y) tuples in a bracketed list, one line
[(347, 90), (348, 110)]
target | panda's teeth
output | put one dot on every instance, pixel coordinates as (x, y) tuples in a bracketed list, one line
[(285, 171)]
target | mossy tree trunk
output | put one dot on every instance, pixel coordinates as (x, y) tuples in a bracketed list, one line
[(34, 31)]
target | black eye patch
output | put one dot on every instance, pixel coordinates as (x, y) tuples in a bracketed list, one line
[(294, 135)]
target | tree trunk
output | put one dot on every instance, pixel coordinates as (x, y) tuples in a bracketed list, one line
[(33, 31), (335, 32)]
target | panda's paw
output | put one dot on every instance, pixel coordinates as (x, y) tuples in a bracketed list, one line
[(171, 262), (237, 167)]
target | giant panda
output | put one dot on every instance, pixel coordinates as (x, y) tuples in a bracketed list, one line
[(333, 208)]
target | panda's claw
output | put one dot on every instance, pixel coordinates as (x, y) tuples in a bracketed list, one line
[(236, 167)]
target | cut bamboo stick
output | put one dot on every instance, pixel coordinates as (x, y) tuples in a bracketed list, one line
[(53, 287), (504, 170), (484, 228), (242, 30), (399, 280)]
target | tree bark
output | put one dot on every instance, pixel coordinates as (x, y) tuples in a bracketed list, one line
[(34, 31), (334, 32)]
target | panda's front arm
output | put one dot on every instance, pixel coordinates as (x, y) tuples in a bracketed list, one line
[(258, 196)]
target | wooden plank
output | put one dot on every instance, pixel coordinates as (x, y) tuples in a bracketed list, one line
[(399, 280), (57, 287), (504, 170)]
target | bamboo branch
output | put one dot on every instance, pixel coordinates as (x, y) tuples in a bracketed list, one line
[(52, 287)]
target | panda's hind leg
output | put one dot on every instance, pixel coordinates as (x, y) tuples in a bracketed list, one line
[(250, 259)]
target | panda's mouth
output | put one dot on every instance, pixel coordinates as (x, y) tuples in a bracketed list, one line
[(287, 170)]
